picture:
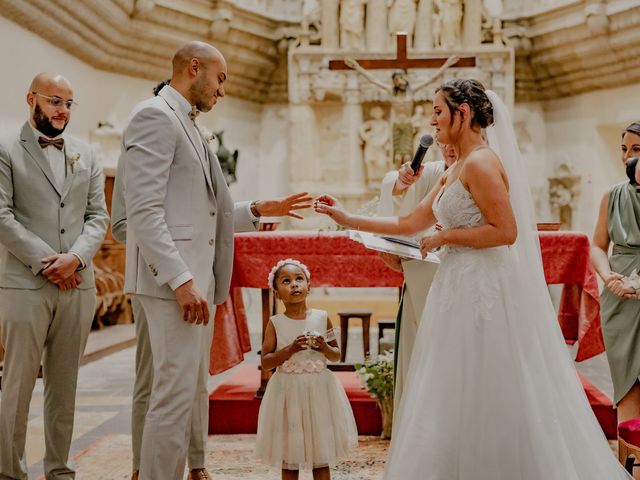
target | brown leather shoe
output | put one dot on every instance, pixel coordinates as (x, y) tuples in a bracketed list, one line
[(199, 474), (134, 475)]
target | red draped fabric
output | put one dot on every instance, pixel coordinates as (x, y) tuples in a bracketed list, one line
[(336, 261)]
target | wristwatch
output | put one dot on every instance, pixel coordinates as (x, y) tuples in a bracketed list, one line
[(254, 209)]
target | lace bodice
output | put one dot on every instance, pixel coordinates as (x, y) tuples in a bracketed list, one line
[(454, 207)]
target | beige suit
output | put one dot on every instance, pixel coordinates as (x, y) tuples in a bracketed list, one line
[(144, 357), (417, 274), (180, 221), (39, 322)]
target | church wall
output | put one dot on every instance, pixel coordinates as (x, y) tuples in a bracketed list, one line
[(585, 131), (105, 96)]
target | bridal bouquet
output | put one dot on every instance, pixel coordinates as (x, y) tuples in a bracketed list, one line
[(376, 375)]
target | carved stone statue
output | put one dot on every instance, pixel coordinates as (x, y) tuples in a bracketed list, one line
[(448, 23), (420, 122), (402, 18), (375, 134), (352, 24), (228, 160), (401, 98), (564, 193)]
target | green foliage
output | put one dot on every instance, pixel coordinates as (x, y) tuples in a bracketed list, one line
[(377, 376)]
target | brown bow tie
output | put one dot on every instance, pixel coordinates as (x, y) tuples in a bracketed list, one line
[(193, 113), (45, 142)]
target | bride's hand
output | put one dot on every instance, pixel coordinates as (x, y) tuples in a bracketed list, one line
[(430, 242), (328, 205)]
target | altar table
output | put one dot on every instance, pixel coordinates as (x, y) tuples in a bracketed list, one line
[(336, 261)]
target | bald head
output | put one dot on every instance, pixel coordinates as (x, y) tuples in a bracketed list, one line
[(201, 51), (199, 71), (48, 81)]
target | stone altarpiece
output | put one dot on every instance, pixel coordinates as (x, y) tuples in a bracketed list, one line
[(331, 105)]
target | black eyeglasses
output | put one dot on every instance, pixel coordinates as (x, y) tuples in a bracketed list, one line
[(56, 101)]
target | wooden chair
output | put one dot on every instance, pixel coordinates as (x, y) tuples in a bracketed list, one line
[(382, 326), (629, 443), (365, 317)]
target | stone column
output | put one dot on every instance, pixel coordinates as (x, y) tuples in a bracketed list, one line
[(302, 143), (424, 26), (472, 23), (330, 31), (376, 32)]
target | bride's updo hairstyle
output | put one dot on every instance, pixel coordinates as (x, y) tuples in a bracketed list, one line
[(471, 92)]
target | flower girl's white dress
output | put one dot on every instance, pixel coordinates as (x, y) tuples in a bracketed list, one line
[(305, 419)]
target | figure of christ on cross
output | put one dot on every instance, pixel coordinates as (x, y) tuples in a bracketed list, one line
[(400, 90)]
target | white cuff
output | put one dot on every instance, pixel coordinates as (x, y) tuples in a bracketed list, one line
[(181, 279), (253, 218), (82, 264)]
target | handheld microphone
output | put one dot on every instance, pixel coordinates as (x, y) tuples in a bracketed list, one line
[(631, 170), (425, 142)]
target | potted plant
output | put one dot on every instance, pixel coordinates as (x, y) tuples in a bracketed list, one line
[(376, 376)]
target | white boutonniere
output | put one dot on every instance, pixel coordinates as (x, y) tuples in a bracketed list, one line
[(208, 136), (72, 159)]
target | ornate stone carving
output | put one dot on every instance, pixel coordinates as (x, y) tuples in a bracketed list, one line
[(352, 24), (221, 23), (564, 194), (420, 121), (448, 23), (402, 18), (375, 134), (401, 97), (566, 48)]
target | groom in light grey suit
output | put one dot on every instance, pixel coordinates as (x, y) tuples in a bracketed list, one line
[(52, 221), (180, 225)]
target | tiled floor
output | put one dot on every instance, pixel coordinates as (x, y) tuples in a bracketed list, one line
[(105, 386)]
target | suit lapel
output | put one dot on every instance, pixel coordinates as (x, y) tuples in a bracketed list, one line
[(69, 148), (194, 137), (30, 144)]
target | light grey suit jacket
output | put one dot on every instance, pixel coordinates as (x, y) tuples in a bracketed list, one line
[(38, 219), (179, 216)]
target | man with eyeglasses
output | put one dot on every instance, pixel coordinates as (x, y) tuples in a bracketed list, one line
[(52, 221)]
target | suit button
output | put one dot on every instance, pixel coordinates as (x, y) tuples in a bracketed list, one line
[(62, 205), (62, 231), (211, 241)]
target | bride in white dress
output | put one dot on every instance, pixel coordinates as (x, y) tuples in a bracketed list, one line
[(492, 392)]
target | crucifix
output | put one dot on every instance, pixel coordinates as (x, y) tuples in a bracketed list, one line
[(402, 61), (401, 93)]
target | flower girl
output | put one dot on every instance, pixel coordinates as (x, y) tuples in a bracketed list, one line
[(305, 419)]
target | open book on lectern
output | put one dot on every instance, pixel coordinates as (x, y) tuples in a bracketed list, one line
[(402, 247)]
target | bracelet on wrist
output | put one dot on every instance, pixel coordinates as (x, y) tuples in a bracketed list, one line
[(254, 209)]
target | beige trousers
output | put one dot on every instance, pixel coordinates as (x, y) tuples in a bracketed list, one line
[(142, 393), (51, 327), (178, 398)]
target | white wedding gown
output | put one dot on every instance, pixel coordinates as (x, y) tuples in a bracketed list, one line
[(492, 393)]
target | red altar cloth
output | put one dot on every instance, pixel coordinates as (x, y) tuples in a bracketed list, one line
[(565, 256), (336, 261)]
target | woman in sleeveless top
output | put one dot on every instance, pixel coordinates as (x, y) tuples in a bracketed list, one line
[(619, 223), (491, 392)]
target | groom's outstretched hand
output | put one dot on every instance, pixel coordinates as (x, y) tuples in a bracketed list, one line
[(193, 304), (284, 207)]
